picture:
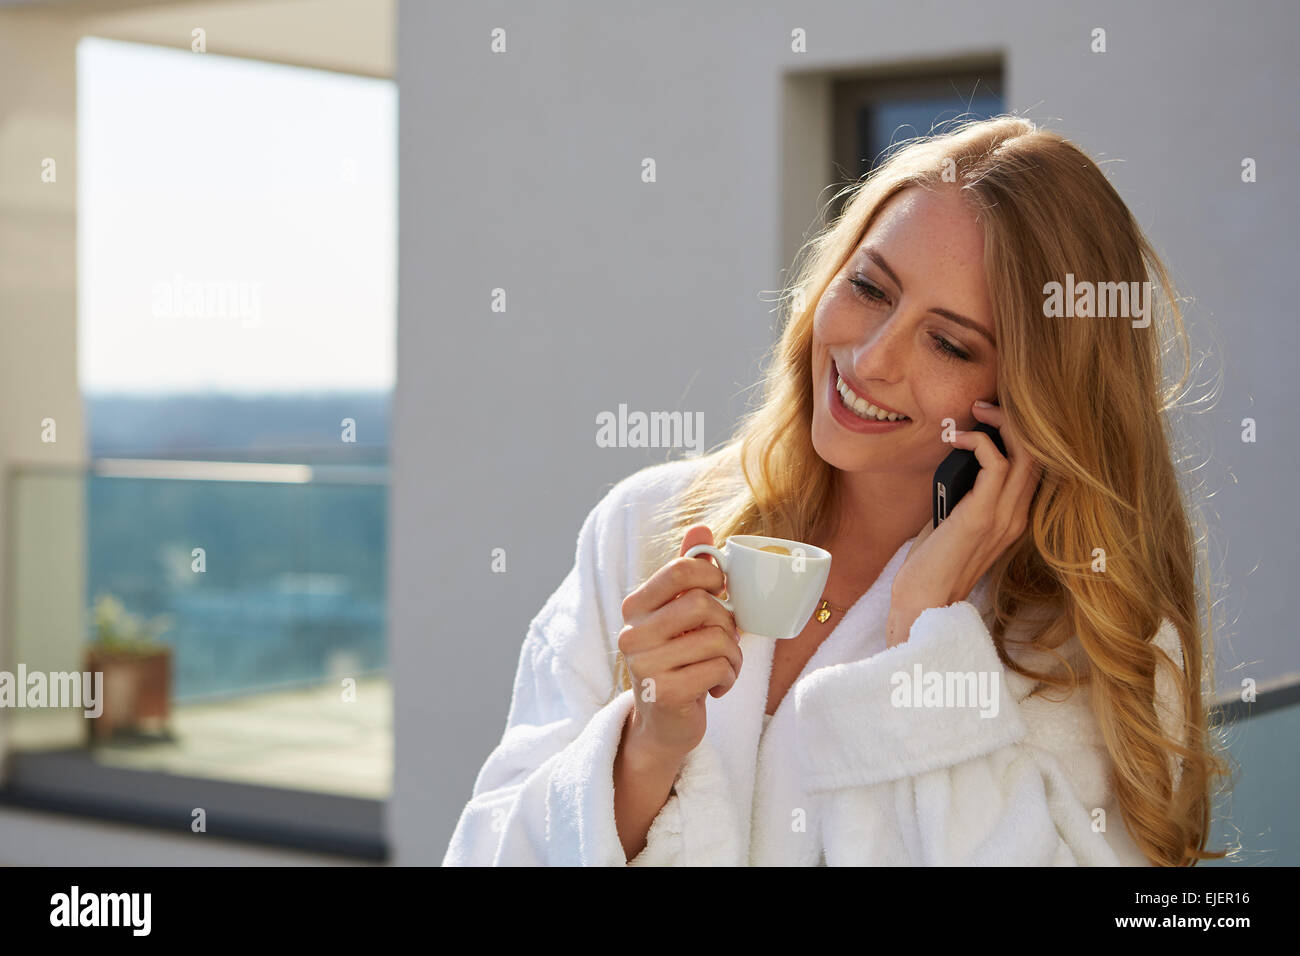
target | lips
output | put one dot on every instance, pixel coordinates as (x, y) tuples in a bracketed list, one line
[(861, 393)]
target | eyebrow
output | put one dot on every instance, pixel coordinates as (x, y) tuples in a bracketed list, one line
[(971, 324)]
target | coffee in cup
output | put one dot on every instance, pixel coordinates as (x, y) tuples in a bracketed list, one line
[(773, 584)]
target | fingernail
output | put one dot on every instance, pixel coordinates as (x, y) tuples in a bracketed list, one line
[(983, 404)]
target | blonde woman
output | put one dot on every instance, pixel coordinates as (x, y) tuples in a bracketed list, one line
[(1065, 579)]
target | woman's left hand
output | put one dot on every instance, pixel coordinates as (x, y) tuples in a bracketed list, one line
[(944, 564)]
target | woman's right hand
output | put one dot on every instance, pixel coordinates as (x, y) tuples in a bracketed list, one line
[(679, 644)]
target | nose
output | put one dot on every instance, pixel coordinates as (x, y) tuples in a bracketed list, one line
[(883, 355)]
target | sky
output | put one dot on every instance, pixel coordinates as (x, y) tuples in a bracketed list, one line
[(237, 224)]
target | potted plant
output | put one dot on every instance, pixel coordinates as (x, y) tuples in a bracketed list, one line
[(136, 668)]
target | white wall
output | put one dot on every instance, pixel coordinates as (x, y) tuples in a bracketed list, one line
[(522, 171)]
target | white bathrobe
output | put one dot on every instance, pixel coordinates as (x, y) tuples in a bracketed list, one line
[(843, 775)]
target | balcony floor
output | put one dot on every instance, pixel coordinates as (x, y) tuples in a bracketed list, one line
[(296, 739)]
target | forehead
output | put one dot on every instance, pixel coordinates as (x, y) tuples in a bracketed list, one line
[(931, 227)]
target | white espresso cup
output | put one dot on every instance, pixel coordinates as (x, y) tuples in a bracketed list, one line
[(771, 594)]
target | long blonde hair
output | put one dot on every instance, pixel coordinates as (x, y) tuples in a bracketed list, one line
[(1108, 478)]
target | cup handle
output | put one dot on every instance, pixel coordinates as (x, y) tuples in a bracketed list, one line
[(722, 563)]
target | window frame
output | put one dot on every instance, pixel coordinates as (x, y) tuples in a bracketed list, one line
[(851, 95)]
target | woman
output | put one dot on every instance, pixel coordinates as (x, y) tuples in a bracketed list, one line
[(1066, 576)]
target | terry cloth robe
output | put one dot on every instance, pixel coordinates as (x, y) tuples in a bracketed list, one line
[(841, 776)]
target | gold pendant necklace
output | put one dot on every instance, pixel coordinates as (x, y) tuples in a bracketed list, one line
[(824, 611)]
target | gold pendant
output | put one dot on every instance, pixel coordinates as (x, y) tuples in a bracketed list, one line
[(823, 613)]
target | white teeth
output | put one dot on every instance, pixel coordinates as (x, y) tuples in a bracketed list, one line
[(860, 406)]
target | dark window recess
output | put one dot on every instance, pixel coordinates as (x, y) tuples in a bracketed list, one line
[(871, 114)]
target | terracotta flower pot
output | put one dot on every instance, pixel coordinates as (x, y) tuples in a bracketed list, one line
[(136, 691)]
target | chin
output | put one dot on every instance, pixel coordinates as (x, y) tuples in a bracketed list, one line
[(830, 447), (851, 453)]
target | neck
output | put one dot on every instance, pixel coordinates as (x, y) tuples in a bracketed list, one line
[(878, 514)]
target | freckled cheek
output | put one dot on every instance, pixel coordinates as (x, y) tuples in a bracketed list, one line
[(832, 326), (823, 341), (820, 340), (942, 403)]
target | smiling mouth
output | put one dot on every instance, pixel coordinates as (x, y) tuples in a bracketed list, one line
[(859, 406)]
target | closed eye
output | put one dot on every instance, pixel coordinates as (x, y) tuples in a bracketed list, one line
[(868, 293), (947, 350), (865, 290)]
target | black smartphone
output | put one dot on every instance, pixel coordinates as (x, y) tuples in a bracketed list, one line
[(956, 475)]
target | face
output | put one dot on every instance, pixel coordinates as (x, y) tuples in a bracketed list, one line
[(904, 324)]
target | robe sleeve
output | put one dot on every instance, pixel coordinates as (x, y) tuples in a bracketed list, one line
[(545, 795), (1007, 782)]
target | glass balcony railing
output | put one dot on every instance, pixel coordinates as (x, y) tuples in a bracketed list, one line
[(264, 590)]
